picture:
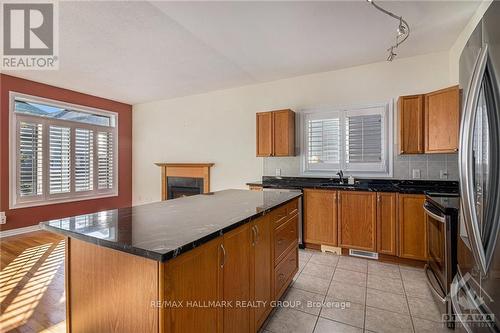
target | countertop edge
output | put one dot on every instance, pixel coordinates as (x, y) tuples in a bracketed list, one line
[(157, 256)]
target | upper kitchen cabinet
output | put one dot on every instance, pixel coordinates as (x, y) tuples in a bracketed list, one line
[(442, 117), (411, 124), (429, 123), (276, 133)]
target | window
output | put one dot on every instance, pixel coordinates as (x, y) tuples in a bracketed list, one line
[(354, 140), (60, 152)]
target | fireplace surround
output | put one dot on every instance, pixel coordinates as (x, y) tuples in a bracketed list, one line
[(184, 179)]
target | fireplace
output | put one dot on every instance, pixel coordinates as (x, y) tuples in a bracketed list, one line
[(184, 179), (178, 187)]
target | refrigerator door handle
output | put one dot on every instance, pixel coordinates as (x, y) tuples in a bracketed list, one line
[(466, 161)]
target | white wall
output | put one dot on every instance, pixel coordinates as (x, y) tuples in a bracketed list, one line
[(219, 126), (462, 39)]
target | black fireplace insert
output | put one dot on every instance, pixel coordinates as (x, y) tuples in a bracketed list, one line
[(178, 187)]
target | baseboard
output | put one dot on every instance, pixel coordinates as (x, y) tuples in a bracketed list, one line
[(18, 231)]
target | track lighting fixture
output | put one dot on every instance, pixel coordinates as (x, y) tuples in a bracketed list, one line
[(403, 30)]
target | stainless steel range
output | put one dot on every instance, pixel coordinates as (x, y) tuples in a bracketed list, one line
[(441, 212)]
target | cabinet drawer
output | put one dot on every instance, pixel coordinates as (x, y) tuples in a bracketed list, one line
[(285, 236), (283, 273), (280, 214)]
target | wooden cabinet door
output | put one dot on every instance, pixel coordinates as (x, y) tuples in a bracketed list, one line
[(193, 276), (442, 120), (320, 217), (264, 134), (387, 223), (357, 220), (236, 267), (261, 270), (412, 227), (284, 133), (411, 124)]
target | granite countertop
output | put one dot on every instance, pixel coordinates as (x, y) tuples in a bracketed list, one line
[(373, 185), (163, 230)]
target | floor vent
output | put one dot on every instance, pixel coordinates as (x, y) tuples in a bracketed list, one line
[(363, 254)]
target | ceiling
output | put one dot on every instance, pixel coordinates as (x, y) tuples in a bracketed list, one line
[(143, 51)]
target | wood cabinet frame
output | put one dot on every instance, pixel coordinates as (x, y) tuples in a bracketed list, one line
[(277, 135), (410, 241), (372, 225), (384, 246), (448, 123), (411, 124)]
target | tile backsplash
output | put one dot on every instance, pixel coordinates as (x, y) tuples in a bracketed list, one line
[(430, 166)]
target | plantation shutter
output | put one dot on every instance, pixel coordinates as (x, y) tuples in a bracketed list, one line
[(323, 142), (364, 139), (30, 162), (60, 159), (105, 162), (84, 160)]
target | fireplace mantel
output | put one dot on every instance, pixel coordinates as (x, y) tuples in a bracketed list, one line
[(187, 170)]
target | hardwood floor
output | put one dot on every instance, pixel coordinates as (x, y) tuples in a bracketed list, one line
[(32, 295)]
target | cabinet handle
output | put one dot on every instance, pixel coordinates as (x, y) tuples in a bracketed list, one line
[(254, 236), (257, 233), (223, 256)]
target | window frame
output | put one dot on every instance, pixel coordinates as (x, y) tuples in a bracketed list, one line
[(365, 170), (15, 200)]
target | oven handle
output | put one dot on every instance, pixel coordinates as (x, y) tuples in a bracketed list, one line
[(439, 218), (429, 281)]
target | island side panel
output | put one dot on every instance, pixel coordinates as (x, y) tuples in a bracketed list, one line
[(109, 290)]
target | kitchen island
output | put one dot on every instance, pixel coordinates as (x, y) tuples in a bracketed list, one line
[(208, 263)]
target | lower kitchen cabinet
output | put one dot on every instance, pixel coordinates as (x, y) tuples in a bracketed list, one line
[(261, 270), (236, 270), (320, 217), (238, 266), (412, 227), (195, 276), (387, 223), (358, 220)]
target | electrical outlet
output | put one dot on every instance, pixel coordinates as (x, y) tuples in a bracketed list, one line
[(3, 218), (415, 173), (278, 172), (443, 174)]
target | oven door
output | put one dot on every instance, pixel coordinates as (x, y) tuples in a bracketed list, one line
[(437, 264)]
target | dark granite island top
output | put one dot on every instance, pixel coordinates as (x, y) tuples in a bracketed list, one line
[(163, 230)]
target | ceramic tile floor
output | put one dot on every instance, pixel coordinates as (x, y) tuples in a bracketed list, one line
[(347, 294)]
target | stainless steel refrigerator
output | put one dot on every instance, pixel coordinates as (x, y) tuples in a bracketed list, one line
[(475, 291)]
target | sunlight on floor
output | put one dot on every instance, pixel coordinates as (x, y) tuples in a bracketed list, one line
[(32, 281)]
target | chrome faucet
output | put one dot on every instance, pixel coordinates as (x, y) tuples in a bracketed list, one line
[(341, 176)]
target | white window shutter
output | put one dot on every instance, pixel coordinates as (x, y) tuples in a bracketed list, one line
[(60, 159), (105, 162), (323, 139), (84, 160), (30, 159), (364, 139)]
